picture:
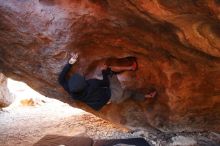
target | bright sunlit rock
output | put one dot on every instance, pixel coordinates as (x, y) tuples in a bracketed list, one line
[(26, 96)]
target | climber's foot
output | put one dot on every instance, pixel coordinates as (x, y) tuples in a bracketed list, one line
[(109, 102), (134, 66), (151, 94)]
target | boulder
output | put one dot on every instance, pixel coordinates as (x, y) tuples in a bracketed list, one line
[(5, 96), (176, 44)]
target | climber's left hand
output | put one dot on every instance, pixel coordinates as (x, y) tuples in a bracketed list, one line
[(74, 58)]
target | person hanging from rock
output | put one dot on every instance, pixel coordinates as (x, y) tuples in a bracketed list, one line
[(97, 93)]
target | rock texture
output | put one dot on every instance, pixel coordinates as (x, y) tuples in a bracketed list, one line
[(5, 97), (176, 44)]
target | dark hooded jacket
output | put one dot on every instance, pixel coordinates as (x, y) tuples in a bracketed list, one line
[(95, 93)]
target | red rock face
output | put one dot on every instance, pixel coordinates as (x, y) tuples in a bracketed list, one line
[(176, 44)]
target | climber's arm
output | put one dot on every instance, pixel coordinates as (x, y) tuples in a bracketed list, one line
[(105, 81), (62, 80), (100, 83)]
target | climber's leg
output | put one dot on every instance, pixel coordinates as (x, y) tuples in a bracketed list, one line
[(140, 96), (116, 69), (116, 89), (118, 94)]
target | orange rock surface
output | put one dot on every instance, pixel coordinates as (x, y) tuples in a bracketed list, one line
[(176, 44)]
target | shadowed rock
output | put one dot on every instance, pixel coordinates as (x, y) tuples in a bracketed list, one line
[(176, 45)]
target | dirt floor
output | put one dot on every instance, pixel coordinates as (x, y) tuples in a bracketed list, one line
[(27, 125), (33, 116)]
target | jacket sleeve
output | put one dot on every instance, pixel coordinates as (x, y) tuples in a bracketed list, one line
[(105, 81), (62, 80)]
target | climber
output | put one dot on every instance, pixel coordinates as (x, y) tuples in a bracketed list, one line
[(96, 93)]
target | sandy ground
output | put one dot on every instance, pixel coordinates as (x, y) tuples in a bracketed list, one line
[(33, 116), (27, 125)]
